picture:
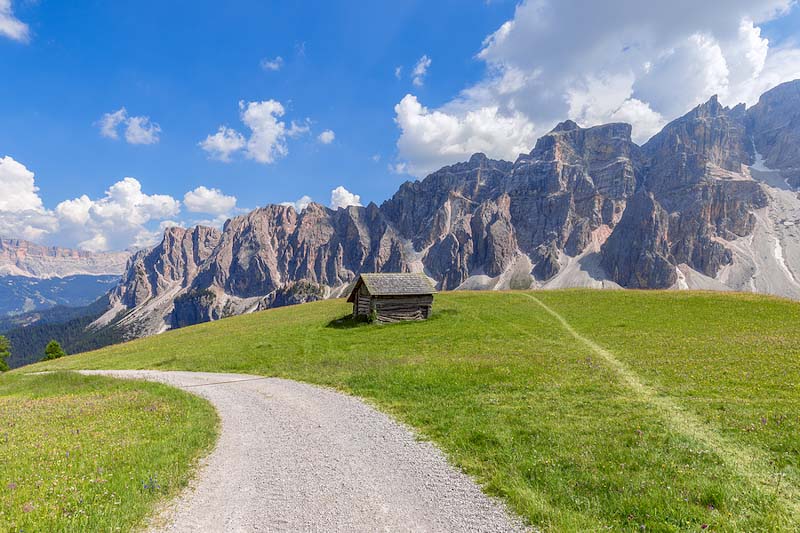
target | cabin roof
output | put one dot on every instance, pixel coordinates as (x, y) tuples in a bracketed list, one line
[(395, 284)]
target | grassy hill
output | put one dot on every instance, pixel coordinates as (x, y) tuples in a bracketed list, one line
[(585, 410), (84, 453)]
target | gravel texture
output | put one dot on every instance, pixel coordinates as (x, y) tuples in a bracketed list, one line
[(294, 457)]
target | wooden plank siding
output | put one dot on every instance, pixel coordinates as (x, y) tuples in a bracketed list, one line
[(392, 297), (397, 308)]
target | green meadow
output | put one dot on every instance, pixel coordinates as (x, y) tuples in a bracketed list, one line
[(82, 453), (583, 410)]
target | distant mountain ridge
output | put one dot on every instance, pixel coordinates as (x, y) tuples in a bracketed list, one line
[(35, 277), (707, 203), (27, 259)]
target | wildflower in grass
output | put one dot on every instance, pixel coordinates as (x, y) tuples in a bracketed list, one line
[(151, 484)]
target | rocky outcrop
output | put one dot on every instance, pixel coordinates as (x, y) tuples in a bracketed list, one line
[(774, 125), (572, 182), (585, 206), (693, 195), (174, 262), (637, 254)]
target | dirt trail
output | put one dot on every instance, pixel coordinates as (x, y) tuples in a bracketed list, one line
[(294, 457)]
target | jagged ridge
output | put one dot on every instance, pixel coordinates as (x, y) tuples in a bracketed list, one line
[(586, 206)]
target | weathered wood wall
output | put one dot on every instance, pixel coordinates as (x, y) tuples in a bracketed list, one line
[(393, 308), (397, 308), (361, 304)]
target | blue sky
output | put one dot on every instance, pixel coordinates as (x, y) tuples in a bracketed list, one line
[(188, 65), (499, 75)]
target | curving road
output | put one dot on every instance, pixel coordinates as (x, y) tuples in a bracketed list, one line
[(294, 457)]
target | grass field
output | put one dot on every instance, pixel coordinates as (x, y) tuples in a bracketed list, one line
[(585, 410), (84, 453)]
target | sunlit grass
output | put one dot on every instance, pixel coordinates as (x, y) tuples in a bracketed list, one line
[(84, 453), (536, 416)]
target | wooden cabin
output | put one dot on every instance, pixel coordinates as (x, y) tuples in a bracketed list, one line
[(393, 297)]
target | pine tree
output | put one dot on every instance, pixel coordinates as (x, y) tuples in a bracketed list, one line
[(53, 351), (5, 352)]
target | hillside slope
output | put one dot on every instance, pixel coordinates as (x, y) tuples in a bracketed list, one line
[(709, 202), (585, 410)]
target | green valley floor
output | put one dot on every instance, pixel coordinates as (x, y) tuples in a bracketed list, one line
[(584, 410)]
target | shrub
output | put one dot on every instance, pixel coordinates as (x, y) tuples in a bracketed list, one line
[(53, 351)]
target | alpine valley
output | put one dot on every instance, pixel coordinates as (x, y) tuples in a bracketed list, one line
[(710, 202), (35, 278)]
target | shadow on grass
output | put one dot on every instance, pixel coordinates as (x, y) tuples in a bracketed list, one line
[(350, 322)]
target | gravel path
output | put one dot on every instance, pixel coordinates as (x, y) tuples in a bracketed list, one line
[(294, 457)]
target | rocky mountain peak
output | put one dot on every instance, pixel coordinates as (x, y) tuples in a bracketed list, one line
[(478, 159), (586, 206)]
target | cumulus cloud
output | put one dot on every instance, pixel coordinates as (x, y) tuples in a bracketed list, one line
[(22, 213), (210, 201), (20, 193), (123, 217), (341, 197), (141, 131), (420, 71), (268, 138), (117, 220), (431, 139), (268, 134), (300, 204), (109, 122), (326, 137), (272, 64), (138, 129), (10, 26), (223, 143), (641, 62)]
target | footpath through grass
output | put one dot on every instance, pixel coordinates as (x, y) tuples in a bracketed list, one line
[(82, 453), (688, 417)]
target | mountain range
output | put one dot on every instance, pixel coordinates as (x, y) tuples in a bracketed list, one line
[(34, 278), (709, 202)]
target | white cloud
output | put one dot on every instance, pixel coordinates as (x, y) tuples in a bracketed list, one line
[(211, 201), (10, 26), (117, 220), (268, 134), (296, 129), (624, 60), (223, 143), (300, 204), (109, 121), (268, 138), (19, 192), (398, 168), (138, 130), (376, 158), (327, 137), (272, 64), (123, 217), (420, 71), (431, 139), (141, 131), (22, 213), (341, 197), (398, 72)]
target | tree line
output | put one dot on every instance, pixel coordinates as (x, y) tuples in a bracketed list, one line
[(53, 350)]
